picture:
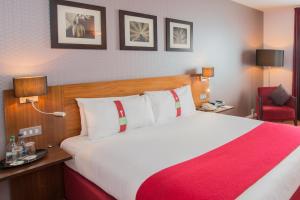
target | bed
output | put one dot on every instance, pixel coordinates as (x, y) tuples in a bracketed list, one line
[(120, 164)]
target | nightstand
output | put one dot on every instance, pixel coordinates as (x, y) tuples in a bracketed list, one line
[(218, 110), (40, 180)]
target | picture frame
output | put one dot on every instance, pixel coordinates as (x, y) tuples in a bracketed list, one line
[(77, 26), (137, 31), (179, 35)]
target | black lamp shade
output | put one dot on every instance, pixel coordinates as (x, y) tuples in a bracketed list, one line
[(30, 86), (269, 58)]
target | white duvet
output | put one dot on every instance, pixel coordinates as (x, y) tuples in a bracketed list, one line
[(121, 163)]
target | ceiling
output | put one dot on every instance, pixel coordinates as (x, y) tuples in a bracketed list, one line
[(266, 4)]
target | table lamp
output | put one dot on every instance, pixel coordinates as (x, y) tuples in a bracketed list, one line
[(208, 72), (28, 89), (269, 58)]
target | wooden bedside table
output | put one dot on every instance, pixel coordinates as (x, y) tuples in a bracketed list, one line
[(218, 110), (40, 180)]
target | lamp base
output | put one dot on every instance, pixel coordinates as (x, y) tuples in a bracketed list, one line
[(29, 99)]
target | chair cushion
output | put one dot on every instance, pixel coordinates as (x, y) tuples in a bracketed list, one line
[(279, 96), (278, 113)]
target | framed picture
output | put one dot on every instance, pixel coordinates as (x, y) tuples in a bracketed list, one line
[(179, 35), (137, 31), (77, 25)]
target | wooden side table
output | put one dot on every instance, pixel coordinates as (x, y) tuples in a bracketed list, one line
[(218, 110), (40, 180)]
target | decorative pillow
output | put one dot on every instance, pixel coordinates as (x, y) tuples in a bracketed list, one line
[(279, 96), (82, 101), (170, 104), (117, 116)]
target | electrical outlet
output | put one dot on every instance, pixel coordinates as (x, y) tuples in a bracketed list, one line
[(203, 96), (30, 131)]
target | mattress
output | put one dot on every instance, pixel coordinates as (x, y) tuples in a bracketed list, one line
[(121, 163)]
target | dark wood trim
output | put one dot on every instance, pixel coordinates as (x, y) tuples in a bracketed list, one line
[(54, 29), (44, 184), (123, 46), (168, 48)]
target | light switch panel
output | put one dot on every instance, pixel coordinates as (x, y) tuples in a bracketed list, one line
[(203, 96), (30, 131)]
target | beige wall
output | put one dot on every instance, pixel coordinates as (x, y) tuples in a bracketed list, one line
[(226, 35), (279, 34)]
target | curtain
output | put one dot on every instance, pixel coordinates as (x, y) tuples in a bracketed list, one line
[(296, 67)]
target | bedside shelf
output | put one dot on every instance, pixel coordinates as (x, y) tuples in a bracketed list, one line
[(55, 156)]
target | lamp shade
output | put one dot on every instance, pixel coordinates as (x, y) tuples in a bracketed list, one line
[(269, 57), (30, 86), (208, 72)]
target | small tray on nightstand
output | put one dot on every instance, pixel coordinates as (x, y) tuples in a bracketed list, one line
[(218, 110), (39, 154)]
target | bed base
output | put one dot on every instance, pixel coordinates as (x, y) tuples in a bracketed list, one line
[(77, 188), (296, 196)]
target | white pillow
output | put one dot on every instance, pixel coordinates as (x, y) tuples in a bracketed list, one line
[(165, 107), (82, 101), (103, 117)]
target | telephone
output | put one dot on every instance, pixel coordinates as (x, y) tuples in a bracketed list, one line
[(208, 107), (219, 103)]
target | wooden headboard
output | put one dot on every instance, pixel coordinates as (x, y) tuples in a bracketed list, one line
[(62, 98)]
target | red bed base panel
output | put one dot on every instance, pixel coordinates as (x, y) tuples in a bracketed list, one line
[(78, 188)]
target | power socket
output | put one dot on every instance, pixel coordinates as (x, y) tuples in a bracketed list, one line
[(203, 96), (30, 131)]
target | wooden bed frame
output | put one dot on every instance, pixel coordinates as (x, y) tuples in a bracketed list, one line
[(62, 98)]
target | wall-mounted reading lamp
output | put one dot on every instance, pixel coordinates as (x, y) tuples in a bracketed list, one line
[(208, 72), (28, 89)]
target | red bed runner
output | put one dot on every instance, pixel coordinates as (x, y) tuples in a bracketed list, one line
[(226, 172)]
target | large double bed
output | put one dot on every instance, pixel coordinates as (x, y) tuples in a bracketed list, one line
[(201, 156), (121, 163)]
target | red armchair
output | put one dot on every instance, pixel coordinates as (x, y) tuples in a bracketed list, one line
[(267, 111)]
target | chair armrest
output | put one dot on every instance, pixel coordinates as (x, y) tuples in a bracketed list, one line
[(259, 110), (292, 102)]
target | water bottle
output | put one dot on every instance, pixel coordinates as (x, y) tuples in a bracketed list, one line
[(11, 154), (21, 145)]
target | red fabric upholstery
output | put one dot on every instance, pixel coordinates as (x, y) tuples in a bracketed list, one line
[(79, 188), (265, 92), (278, 113), (271, 112), (296, 195)]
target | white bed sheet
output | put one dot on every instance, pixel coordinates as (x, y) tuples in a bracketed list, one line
[(121, 163)]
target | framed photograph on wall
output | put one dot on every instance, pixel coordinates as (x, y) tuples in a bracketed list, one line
[(77, 25), (179, 35), (137, 31)]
